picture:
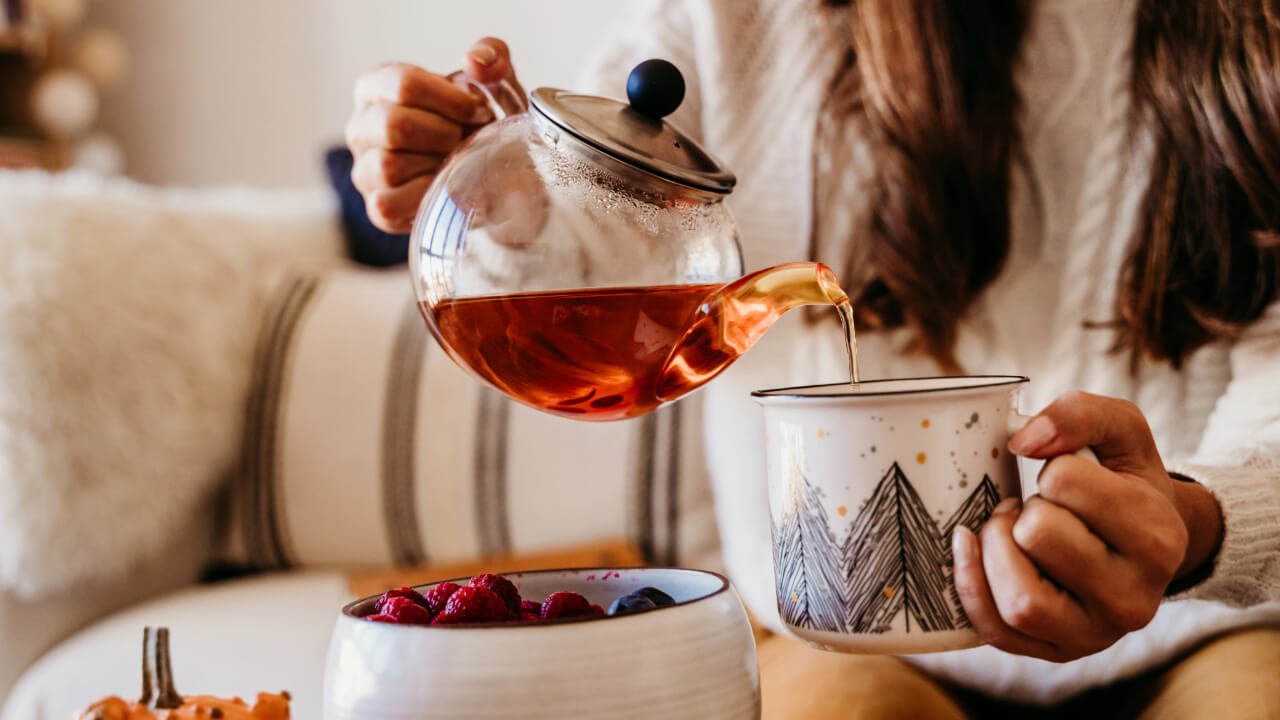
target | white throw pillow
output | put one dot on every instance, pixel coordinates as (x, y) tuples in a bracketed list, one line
[(127, 322), (368, 446)]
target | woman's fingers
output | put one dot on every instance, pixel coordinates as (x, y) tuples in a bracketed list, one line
[(1115, 429), (1147, 530), (393, 209), (403, 128), (1062, 547), (1028, 602), (406, 120), (378, 168), (489, 61), (403, 84), (980, 606)]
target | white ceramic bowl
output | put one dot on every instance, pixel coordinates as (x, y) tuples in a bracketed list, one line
[(695, 659)]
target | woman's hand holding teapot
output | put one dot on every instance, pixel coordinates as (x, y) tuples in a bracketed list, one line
[(406, 120)]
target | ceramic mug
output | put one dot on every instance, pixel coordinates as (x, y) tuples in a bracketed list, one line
[(866, 484)]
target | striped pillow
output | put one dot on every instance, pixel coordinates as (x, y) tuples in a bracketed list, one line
[(366, 446)]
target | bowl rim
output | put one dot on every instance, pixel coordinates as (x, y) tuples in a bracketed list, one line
[(347, 612)]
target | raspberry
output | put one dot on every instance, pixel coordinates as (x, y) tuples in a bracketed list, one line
[(403, 592), (597, 610), (530, 616), (531, 606), (564, 605), (438, 596), (404, 611), (381, 619), (501, 586), (474, 605)]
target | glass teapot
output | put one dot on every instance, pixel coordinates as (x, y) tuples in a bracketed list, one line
[(577, 254)]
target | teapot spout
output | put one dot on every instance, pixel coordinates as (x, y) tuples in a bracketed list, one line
[(735, 316)]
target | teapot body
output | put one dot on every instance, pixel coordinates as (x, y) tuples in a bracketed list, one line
[(522, 206), (559, 275)]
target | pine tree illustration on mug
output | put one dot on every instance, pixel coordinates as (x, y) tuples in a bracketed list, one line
[(810, 579), (894, 562), (972, 514), (894, 559)]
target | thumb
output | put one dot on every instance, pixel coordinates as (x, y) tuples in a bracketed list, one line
[(489, 61), (1115, 429)]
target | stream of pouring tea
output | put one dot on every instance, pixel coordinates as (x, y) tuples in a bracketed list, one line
[(845, 309)]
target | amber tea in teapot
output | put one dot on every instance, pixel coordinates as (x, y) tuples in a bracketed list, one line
[(614, 353)]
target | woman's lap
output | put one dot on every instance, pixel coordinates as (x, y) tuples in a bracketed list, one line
[(800, 682), (1235, 676)]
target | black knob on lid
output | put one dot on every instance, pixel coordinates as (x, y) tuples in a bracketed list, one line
[(655, 88)]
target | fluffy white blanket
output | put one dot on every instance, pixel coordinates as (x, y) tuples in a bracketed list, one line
[(128, 317)]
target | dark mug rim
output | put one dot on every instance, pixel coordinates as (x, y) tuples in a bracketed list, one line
[(792, 393)]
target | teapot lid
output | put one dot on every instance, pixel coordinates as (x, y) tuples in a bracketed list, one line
[(635, 133)]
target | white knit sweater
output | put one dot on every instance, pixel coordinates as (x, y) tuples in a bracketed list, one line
[(757, 70)]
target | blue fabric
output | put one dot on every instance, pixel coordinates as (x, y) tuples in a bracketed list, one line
[(366, 244)]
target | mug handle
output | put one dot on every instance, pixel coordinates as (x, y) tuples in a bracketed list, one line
[(501, 97), (1017, 421)]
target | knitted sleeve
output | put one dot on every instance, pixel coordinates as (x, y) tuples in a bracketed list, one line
[(1239, 462)]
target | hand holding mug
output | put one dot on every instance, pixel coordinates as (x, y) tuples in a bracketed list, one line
[(1089, 558), (406, 120)]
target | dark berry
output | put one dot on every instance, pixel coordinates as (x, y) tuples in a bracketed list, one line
[(501, 586), (658, 597), (526, 616), (474, 605), (531, 606), (564, 605), (406, 612), (437, 596), (404, 592), (633, 603), (655, 88)]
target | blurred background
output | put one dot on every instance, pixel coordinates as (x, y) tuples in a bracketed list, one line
[(195, 92)]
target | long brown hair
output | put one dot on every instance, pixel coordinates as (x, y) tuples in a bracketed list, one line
[(935, 89)]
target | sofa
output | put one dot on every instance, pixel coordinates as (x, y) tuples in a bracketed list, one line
[(211, 420)]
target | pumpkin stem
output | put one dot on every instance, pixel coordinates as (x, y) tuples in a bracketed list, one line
[(147, 672), (167, 698)]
